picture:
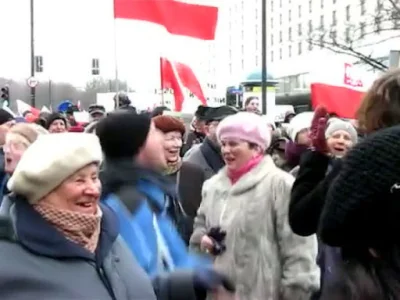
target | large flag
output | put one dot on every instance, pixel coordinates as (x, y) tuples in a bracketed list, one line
[(177, 76), (23, 107), (179, 18), (340, 89)]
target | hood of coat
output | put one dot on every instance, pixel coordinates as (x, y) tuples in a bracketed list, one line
[(36, 234), (248, 180)]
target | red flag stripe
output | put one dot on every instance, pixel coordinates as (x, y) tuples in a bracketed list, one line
[(192, 20)]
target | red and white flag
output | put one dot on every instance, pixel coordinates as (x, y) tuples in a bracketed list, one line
[(340, 89), (23, 107), (185, 28), (177, 76), (178, 18)]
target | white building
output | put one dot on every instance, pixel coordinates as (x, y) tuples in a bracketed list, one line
[(290, 23)]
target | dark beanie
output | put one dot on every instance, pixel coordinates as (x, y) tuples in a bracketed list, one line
[(123, 133), (55, 116), (5, 116), (363, 203)]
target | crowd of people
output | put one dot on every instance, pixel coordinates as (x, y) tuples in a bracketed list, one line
[(135, 206)]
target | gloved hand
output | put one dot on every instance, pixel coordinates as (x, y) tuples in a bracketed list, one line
[(209, 280), (218, 237), (318, 127)]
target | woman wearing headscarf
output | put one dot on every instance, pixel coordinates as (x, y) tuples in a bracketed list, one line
[(58, 242), (242, 219)]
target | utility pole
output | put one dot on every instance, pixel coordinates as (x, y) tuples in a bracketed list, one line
[(264, 56), (32, 16)]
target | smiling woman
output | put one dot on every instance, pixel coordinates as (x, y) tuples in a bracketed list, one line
[(56, 192)]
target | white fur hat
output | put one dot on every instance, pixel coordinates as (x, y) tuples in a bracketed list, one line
[(50, 160), (298, 123)]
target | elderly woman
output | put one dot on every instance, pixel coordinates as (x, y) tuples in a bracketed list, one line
[(242, 219), (17, 140), (59, 242), (188, 177), (56, 123)]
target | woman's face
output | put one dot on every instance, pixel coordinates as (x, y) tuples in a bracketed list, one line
[(303, 137), (13, 150), (339, 143), (172, 146), (79, 193), (253, 105), (57, 126), (236, 153)]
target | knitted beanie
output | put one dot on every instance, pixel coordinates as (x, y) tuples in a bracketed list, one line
[(298, 123), (335, 124), (26, 132), (123, 133), (168, 123), (55, 116), (50, 160), (362, 205), (245, 126)]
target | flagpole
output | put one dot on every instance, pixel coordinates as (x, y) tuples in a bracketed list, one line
[(162, 82), (116, 55)]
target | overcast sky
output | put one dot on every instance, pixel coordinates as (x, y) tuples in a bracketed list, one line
[(69, 33)]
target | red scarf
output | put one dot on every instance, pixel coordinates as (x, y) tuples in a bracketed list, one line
[(234, 175)]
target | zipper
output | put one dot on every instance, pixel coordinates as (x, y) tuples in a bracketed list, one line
[(104, 279)]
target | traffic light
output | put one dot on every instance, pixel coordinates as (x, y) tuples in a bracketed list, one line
[(5, 94)]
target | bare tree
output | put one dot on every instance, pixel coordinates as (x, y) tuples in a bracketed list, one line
[(358, 37)]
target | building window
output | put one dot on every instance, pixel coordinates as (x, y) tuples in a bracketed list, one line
[(272, 56), (272, 39), (290, 51), (280, 53), (322, 4), (95, 66), (300, 50), (309, 6), (299, 8), (272, 23), (362, 7), (300, 29), (280, 36), (38, 64), (347, 35), (334, 20), (362, 30), (348, 13), (310, 26), (290, 33), (377, 24), (333, 35), (379, 6), (280, 19), (290, 15)]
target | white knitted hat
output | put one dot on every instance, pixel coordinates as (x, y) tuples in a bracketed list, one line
[(50, 160), (298, 123)]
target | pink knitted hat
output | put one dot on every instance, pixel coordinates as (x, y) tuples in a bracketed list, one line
[(245, 126)]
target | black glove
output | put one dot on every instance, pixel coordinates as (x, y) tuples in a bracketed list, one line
[(206, 280), (218, 237)]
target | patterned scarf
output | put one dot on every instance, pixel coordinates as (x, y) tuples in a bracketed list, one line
[(173, 167), (82, 229)]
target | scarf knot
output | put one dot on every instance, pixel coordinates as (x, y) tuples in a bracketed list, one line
[(235, 175)]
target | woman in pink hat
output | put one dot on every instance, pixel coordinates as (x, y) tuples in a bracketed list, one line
[(242, 220)]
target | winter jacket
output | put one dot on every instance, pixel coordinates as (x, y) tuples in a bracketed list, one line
[(264, 257), (38, 262), (207, 156), (149, 230)]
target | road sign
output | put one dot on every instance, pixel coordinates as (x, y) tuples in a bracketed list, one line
[(32, 82)]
